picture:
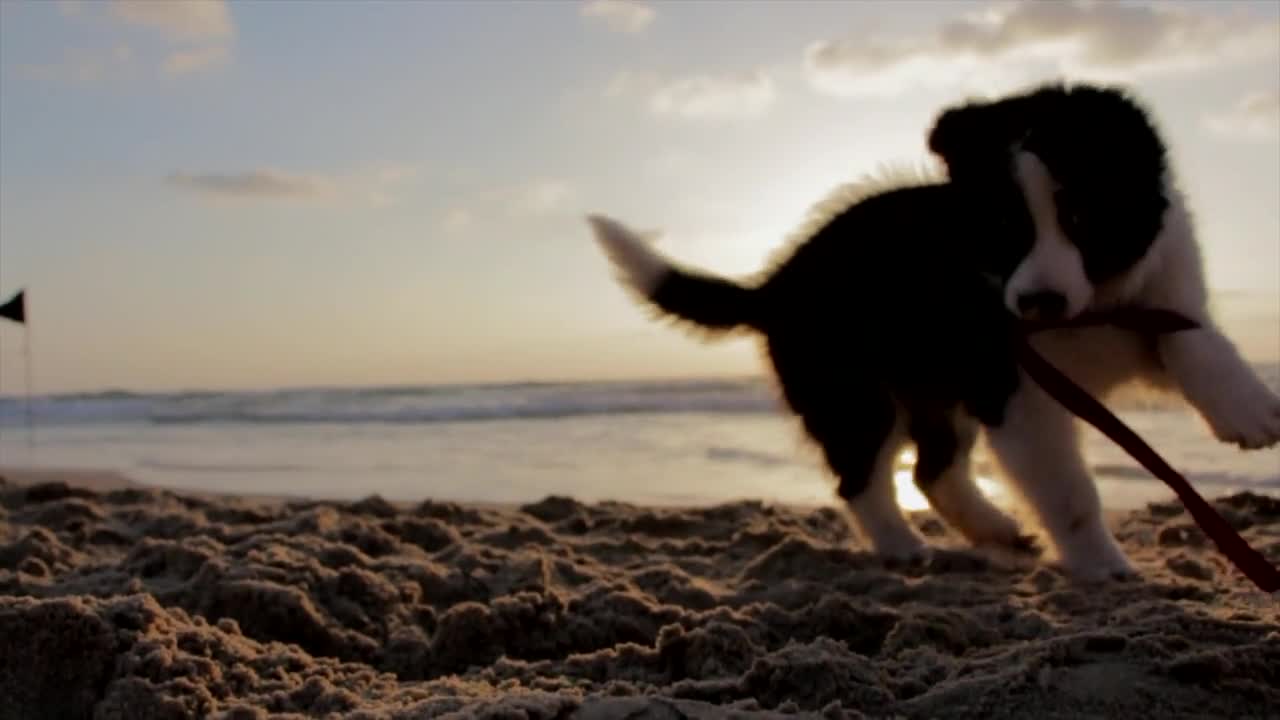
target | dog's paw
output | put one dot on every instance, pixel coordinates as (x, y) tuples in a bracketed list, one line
[(1010, 539), (889, 534), (1244, 413), (1095, 557), (904, 551), (910, 560), (903, 547), (989, 527), (998, 530), (1238, 407), (1026, 545)]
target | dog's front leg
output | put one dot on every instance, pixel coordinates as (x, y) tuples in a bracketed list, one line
[(1216, 380), (1038, 448)]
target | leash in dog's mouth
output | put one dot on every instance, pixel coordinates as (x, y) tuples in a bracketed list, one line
[(1150, 321)]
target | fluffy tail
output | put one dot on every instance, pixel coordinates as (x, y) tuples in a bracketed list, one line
[(712, 303)]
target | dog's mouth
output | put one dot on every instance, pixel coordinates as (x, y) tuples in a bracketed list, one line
[(1044, 305)]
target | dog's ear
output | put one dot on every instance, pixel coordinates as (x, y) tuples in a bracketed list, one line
[(978, 129), (959, 128)]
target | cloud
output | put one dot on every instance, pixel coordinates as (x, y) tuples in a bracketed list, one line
[(179, 19), (381, 185), (457, 220), (538, 198), (710, 96), (182, 62), (1255, 116), (701, 96), (630, 82), (375, 187), (263, 184), (194, 36), (627, 16), (543, 197), (1106, 41), (202, 28)]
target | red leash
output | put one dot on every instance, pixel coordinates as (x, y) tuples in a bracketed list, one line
[(1248, 560)]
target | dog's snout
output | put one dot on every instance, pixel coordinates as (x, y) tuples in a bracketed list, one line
[(1042, 305)]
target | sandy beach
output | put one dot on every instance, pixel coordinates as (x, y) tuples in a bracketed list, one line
[(121, 601)]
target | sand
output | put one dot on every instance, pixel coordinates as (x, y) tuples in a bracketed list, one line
[(119, 601)]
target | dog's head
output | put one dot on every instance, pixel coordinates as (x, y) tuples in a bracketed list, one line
[(1088, 168)]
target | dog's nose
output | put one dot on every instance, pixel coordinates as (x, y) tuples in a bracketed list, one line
[(1042, 305)]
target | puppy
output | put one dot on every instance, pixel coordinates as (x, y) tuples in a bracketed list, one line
[(1111, 229), (1060, 200), (884, 323)]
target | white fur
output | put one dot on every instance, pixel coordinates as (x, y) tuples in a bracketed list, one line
[(875, 510), (641, 267), (1202, 365), (1038, 448), (1037, 445), (955, 496), (1054, 263)]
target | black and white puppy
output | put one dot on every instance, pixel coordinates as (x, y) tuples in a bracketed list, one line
[(1111, 229), (891, 319)]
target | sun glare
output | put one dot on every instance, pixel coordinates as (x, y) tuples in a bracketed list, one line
[(909, 496)]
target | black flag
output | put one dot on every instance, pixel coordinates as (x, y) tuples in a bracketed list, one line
[(16, 308)]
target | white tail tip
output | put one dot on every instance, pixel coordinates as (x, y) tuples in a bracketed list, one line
[(640, 265)]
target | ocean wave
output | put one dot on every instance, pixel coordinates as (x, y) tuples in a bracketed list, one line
[(423, 404), (401, 405), (749, 457), (221, 467), (1123, 472)]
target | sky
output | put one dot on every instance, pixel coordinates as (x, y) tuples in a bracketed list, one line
[(214, 195)]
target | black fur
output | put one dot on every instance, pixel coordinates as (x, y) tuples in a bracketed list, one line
[(886, 310), (711, 303), (1098, 142)]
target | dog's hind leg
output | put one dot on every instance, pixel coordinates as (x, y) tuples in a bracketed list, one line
[(860, 442), (1038, 447), (944, 473), (860, 431)]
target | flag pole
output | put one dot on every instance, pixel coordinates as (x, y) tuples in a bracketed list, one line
[(26, 344)]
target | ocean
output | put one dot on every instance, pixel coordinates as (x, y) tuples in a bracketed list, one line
[(660, 443)]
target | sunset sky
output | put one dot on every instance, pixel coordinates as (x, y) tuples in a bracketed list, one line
[(257, 194)]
